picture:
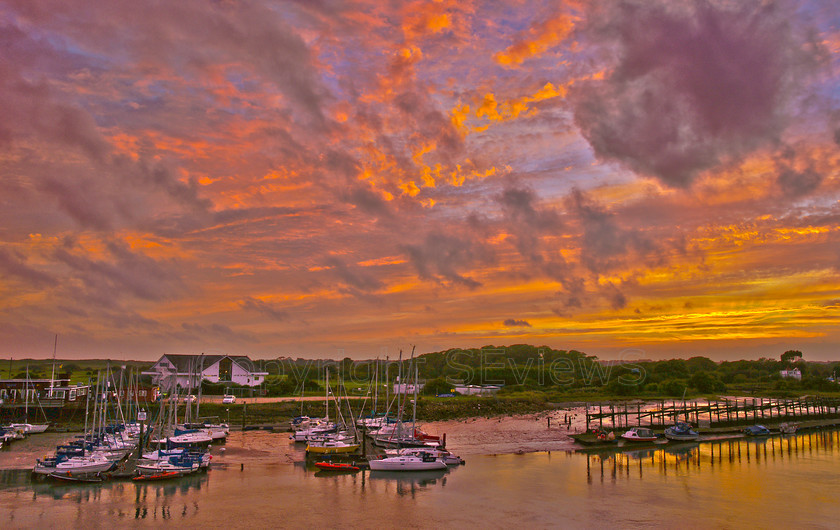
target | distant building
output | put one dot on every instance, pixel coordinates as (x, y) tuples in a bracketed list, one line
[(407, 388), (46, 392), (791, 374), (140, 394), (477, 390), (185, 370)]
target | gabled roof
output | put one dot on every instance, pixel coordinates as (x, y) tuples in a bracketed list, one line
[(185, 363)]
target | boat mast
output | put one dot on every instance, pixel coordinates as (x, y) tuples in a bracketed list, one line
[(200, 381), (414, 412), (327, 392), (398, 397), (376, 389), (87, 404), (52, 375), (26, 396)]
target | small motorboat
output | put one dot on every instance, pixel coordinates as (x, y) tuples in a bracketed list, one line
[(330, 466), (681, 432), (757, 430), (788, 428), (639, 434), (442, 454), (414, 462), (157, 476)]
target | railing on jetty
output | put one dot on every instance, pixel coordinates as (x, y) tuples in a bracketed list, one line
[(713, 414)]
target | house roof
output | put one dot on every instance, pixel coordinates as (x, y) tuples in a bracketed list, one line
[(186, 363)]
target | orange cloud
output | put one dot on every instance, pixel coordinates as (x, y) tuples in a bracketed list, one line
[(492, 110), (538, 39)]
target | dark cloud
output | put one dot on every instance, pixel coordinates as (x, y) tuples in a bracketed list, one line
[(694, 85), (264, 308), (202, 332), (529, 222), (13, 265), (120, 273), (367, 200), (513, 323), (354, 278), (604, 243), (441, 257), (793, 181), (31, 109)]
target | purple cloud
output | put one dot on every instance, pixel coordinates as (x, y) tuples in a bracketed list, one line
[(693, 85)]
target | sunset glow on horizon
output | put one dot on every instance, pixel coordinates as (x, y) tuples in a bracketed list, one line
[(348, 178)]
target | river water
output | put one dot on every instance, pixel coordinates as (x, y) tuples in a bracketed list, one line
[(258, 482)]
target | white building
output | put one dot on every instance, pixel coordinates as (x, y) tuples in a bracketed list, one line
[(407, 388), (185, 370), (791, 374), (476, 390)]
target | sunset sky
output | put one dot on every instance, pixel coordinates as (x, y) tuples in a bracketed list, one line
[(320, 178)]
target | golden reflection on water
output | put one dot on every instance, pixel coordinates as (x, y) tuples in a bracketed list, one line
[(771, 481), (689, 458)]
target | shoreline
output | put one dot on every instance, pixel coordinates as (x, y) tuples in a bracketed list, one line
[(478, 436)]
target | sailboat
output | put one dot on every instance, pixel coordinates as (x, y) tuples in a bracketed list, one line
[(26, 427), (314, 428), (397, 436), (334, 443)]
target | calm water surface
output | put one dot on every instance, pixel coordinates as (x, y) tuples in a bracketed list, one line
[(776, 482)]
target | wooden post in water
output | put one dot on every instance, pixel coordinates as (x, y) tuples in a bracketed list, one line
[(586, 412)]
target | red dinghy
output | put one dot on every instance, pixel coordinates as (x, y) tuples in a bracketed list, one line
[(159, 476), (329, 466)]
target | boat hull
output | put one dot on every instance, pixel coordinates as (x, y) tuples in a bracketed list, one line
[(682, 437), (332, 450), (329, 466), (400, 464), (160, 468), (90, 467), (159, 476)]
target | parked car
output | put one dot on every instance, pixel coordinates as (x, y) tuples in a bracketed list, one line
[(190, 398), (229, 399)]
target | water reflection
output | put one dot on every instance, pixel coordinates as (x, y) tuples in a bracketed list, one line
[(402, 482), (687, 458)]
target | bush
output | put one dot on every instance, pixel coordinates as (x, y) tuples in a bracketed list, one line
[(673, 387), (703, 382), (437, 386), (616, 388)]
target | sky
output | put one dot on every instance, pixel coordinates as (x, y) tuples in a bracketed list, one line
[(329, 179)]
